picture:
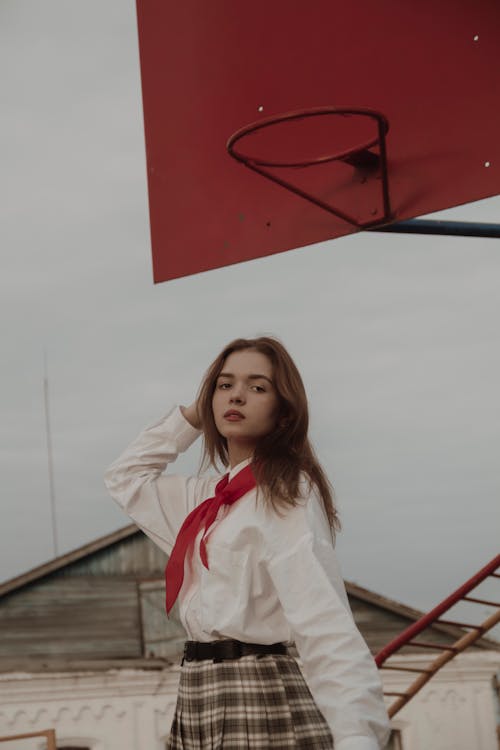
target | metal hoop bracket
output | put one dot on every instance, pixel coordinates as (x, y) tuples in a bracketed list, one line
[(359, 156)]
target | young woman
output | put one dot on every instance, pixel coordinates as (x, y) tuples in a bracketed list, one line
[(253, 566)]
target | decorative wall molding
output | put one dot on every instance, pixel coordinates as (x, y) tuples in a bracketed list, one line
[(57, 685)]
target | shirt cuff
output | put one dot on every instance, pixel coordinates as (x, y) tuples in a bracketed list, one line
[(357, 743)]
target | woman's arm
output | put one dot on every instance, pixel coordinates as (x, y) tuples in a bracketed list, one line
[(158, 503), (339, 668)]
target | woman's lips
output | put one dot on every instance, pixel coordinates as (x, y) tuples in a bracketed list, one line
[(233, 416)]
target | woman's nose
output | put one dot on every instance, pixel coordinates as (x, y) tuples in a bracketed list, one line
[(237, 395)]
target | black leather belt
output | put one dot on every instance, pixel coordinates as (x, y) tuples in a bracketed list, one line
[(228, 649)]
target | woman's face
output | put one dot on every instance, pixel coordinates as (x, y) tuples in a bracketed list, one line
[(245, 402)]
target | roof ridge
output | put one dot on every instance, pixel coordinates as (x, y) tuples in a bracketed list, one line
[(69, 557)]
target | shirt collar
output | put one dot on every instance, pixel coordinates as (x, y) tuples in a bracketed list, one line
[(236, 469)]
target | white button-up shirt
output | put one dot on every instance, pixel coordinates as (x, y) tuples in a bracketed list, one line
[(272, 577)]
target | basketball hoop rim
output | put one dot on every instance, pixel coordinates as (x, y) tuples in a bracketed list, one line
[(382, 122)]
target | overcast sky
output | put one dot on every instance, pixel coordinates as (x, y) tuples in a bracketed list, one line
[(396, 336)]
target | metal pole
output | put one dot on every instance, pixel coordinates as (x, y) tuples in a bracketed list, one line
[(448, 228), (49, 457)]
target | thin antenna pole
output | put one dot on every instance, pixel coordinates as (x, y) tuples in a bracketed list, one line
[(49, 456)]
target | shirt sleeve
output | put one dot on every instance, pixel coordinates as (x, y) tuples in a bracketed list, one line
[(158, 503), (337, 663)]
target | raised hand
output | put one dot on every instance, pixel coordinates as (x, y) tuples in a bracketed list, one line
[(192, 415)]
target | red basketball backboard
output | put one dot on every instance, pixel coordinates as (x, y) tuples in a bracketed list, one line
[(210, 68)]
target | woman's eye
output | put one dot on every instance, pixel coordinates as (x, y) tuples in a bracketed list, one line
[(259, 389), (224, 385)]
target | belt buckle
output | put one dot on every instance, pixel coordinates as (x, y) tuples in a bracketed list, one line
[(187, 644), (217, 647), (226, 650)]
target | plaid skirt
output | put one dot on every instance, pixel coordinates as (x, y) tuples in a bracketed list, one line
[(251, 703)]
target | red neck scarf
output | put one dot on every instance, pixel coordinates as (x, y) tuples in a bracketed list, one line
[(226, 493)]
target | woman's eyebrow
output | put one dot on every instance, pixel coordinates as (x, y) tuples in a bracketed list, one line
[(260, 377), (255, 376)]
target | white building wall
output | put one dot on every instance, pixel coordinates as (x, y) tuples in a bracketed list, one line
[(455, 710), (115, 710), (133, 709)]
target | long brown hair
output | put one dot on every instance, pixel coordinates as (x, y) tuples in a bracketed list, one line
[(280, 457)]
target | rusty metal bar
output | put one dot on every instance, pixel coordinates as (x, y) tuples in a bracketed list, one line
[(426, 644), (383, 168), (481, 601), (467, 640), (49, 734), (389, 693), (459, 624), (405, 669)]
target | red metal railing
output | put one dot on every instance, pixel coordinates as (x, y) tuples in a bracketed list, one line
[(406, 638)]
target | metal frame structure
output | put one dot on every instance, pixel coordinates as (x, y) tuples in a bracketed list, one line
[(359, 156), (448, 652)]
